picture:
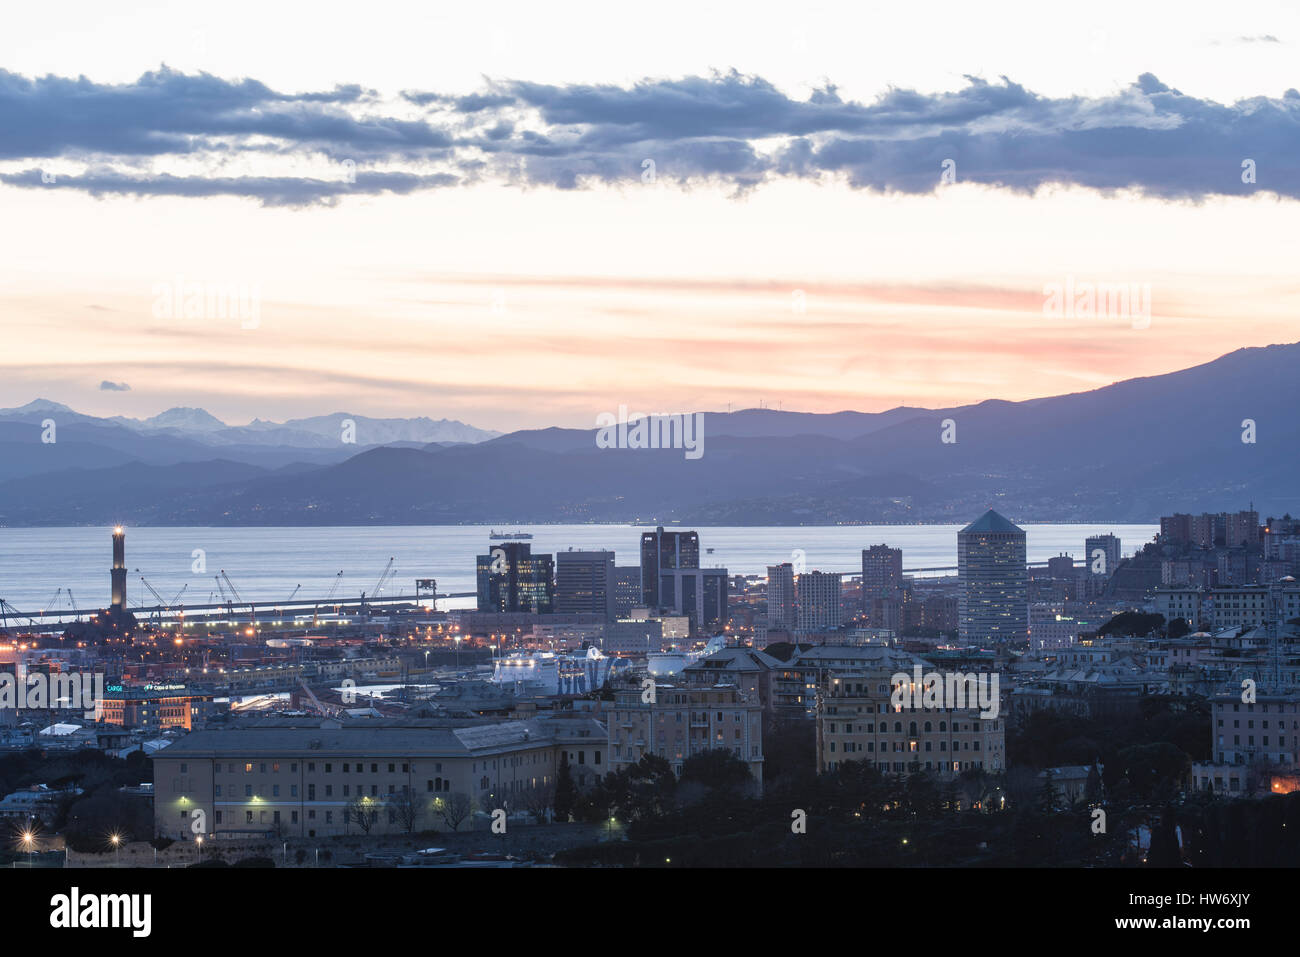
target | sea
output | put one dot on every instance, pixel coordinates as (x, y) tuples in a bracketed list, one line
[(48, 569)]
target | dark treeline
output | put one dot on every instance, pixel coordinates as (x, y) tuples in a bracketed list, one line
[(857, 817)]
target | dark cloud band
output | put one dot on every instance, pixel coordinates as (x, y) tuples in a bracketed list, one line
[(731, 129)]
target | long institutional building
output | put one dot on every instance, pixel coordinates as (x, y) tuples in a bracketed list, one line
[(299, 779)]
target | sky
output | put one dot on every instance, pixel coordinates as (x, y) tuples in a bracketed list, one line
[(528, 215)]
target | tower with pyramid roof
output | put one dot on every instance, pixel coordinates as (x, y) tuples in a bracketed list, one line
[(993, 603)]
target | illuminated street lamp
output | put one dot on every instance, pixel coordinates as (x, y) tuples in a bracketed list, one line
[(116, 841), (29, 845)]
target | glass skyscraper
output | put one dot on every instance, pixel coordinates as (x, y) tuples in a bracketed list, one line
[(993, 604), (512, 578)]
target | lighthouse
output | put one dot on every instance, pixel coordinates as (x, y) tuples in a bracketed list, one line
[(118, 572)]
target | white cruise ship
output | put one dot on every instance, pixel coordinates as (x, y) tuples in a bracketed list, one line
[(546, 673), (662, 664)]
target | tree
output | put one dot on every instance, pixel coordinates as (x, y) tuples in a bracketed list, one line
[(921, 795), (107, 811), (454, 809), (1152, 769), (361, 812), (1092, 791), (973, 785), (718, 770), (1049, 797), (1133, 623), (566, 793), (537, 800), (1021, 783), (640, 791), (406, 806), (1164, 850)]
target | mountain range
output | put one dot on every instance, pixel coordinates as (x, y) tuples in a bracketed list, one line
[(1214, 437)]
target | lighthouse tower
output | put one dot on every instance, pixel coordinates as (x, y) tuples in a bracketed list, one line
[(119, 569)]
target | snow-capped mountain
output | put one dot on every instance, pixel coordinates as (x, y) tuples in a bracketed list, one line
[(322, 431), (181, 418)]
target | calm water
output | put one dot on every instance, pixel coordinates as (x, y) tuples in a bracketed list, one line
[(266, 564)]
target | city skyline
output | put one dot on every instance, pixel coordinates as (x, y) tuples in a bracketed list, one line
[(595, 438)]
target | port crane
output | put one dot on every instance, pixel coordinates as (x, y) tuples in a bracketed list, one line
[(279, 612), (384, 578), (231, 585), (162, 605), (315, 615), (8, 611), (157, 597), (53, 602), (311, 695)]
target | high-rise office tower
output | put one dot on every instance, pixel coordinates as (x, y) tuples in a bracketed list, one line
[(584, 583), (993, 604), (1105, 548), (701, 594), (819, 601), (665, 551), (672, 580), (512, 578), (782, 607), (882, 573), (627, 589)]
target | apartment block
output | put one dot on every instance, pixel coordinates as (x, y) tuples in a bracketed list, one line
[(680, 721), (857, 721)]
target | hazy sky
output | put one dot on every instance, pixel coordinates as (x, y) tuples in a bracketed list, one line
[(450, 212)]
